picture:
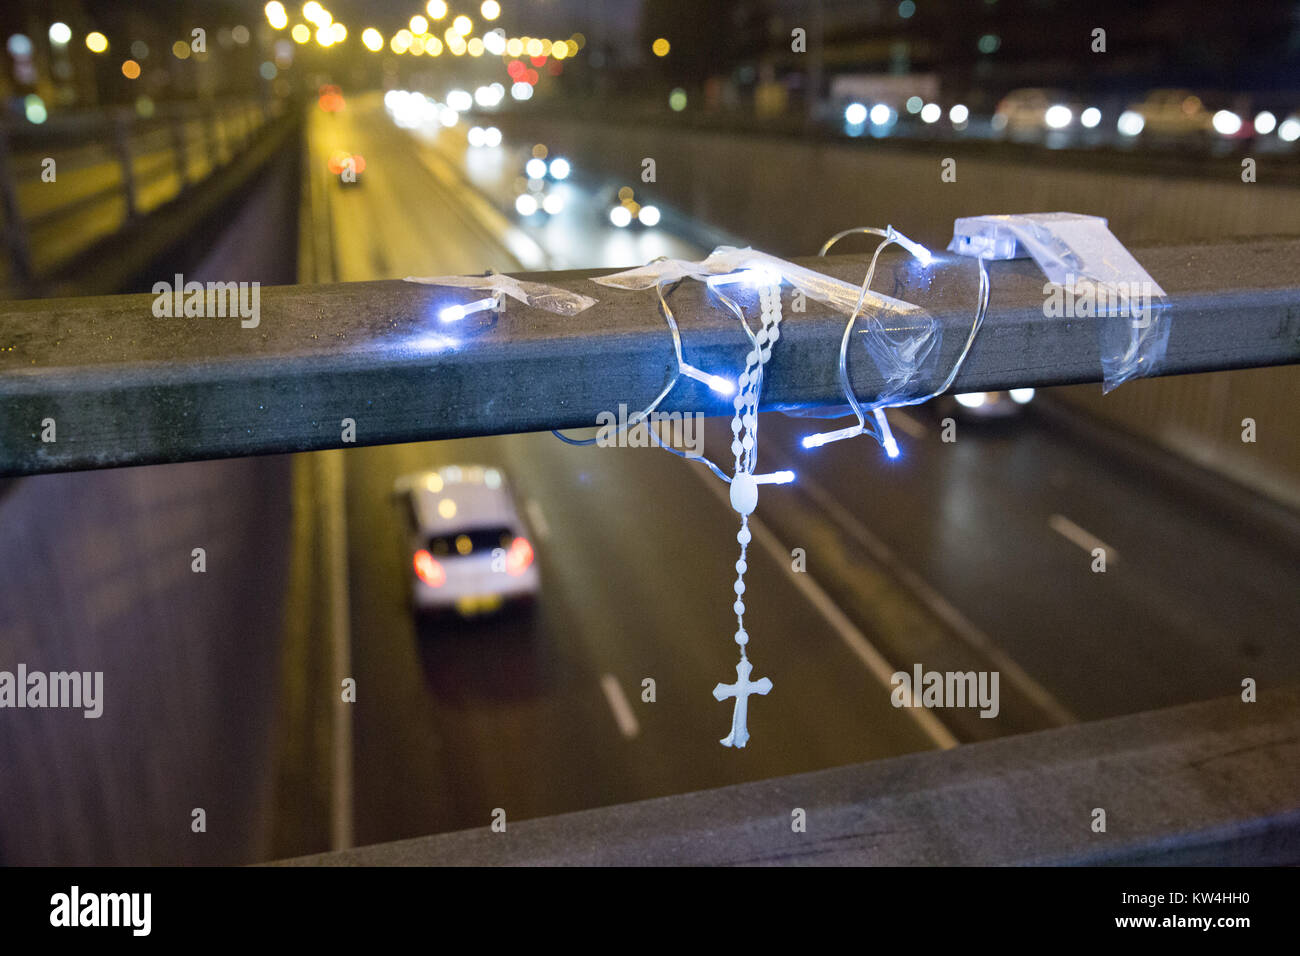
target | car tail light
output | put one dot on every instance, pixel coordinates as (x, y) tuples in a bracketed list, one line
[(428, 570), (519, 557)]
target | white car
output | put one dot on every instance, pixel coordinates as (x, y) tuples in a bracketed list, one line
[(1172, 114), (1029, 113), (469, 550)]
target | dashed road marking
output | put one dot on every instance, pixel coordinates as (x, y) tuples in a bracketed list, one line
[(623, 716), (537, 519), (938, 605), (853, 638), (1071, 532)]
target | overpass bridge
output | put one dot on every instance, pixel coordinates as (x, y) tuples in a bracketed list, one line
[(899, 553)]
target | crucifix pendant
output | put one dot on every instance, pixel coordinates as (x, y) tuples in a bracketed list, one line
[(744, 499), (740, 690)]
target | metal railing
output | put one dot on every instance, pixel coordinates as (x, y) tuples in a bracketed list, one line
[(124, 387), (110, 166), (1202, 784)]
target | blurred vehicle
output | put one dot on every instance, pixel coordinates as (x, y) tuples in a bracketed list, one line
[(469, 551), (1172, 114), (543, 194), (480, 137), (331, 98), (1029, 113), (984, 406), (556, 169), (539, 200), (348, 167), (627, 211)]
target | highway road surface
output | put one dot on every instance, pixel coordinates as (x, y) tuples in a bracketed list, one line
[(967, 555), (224, 687)]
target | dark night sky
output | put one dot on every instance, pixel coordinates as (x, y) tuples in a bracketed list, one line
[(1225, 47)]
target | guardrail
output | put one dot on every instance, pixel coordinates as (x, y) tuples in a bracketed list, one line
[(110, 156), (1203, 784), (124, 387)]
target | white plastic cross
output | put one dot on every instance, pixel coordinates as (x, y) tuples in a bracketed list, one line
[(740, 690)]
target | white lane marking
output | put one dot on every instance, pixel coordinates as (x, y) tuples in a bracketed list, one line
[(938, 605), (537, 519), (335, 538), (1074, 534), (623, 716), (854, 639), (906, 422)]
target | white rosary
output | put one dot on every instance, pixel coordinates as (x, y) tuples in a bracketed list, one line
[(766, 274), (744, 492)]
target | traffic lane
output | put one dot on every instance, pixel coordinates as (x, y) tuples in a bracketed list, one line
[(449, 717), (1186, 607), (579, 235), (906, 622), (649, 549), (99, 572), (521, 718), (637, 566), (398, 219)]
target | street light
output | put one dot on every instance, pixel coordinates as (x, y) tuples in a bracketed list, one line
[(276, 15)]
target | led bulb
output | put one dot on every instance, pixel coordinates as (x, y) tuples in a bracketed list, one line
[(716, 382), (825, 438), (454, 313), (886, 433), (759, 277), (922, 254)]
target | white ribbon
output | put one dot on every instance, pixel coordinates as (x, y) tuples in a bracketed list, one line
[(840, 295), (537, 294)]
